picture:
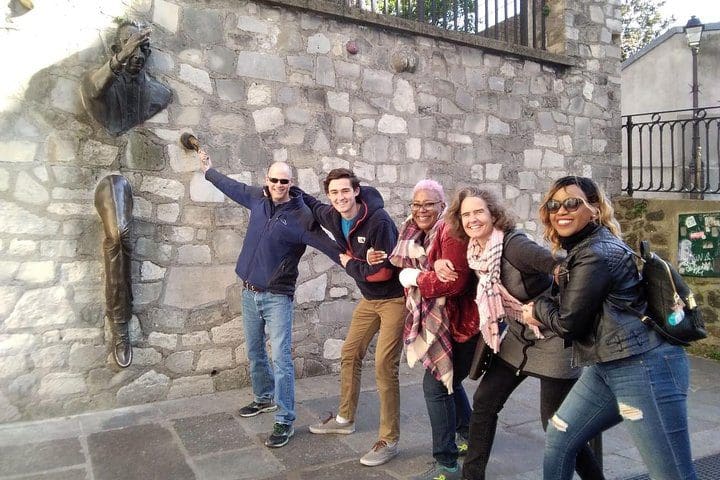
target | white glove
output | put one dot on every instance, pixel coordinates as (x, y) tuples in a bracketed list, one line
[(409, 276)]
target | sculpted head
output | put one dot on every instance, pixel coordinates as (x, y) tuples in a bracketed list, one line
[(126, 32)]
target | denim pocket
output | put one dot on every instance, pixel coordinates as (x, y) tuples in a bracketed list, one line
[(677, 365)]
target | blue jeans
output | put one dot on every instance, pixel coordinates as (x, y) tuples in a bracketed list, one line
[(649, 392), (449, 413), (271, 313)]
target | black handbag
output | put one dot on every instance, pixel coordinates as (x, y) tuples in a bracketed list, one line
[(671, 307)]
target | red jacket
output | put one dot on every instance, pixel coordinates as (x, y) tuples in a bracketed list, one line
[(460, 302)]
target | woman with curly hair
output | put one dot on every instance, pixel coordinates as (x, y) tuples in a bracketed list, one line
[(631, 372)]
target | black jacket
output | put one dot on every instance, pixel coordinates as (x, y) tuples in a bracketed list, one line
[(598, 266), (525, 273), (373, 228)]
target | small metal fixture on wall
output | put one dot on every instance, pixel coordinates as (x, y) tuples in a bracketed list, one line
[(404, 60)]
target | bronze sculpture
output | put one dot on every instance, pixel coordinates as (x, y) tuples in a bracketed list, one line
[(113, 201), (120, 94)]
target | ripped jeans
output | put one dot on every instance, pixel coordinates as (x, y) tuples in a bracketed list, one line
[(649, 392)]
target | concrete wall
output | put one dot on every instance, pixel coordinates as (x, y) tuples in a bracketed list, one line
[(656, 220), (256, 83), (661, 78)]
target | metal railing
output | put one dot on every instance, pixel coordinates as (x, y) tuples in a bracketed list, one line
[(672, 151), (520, 22)]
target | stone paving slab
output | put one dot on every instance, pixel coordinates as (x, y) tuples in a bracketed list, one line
[(144, 451), (213, 433), (34, 457)]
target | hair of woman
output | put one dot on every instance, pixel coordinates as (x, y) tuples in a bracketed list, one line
[(431, 186), (595, 197), (502, 218)]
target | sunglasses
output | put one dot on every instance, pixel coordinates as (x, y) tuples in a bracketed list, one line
[(283, 181), (569, 204)]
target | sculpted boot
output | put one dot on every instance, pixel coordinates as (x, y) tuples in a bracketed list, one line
[(122, 349)]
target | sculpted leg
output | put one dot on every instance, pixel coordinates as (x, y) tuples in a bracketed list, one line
[(113, 201)]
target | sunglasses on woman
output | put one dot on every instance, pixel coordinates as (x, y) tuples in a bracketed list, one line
[(283, 181), (569, 204)]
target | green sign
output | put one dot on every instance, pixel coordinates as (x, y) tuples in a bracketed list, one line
[(699, 244)]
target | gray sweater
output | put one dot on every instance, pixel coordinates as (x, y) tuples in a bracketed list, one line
[(535, 357)]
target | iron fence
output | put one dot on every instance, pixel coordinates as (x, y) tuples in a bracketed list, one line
[(673, 151), (520, 22)]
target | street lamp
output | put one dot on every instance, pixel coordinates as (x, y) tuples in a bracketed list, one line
[(693, 32)]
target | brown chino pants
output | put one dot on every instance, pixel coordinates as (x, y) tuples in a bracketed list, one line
[(369, 317)]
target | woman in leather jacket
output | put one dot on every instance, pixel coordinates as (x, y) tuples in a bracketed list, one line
[(632, 373), (522, 269)]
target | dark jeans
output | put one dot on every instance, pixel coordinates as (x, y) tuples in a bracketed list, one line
[(492, 392), (449, 413)]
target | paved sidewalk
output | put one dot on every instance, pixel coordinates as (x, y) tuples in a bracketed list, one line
[(203, 438)]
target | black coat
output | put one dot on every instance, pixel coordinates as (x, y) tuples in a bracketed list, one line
[(598, 266)]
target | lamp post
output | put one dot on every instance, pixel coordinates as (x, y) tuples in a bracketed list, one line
[(693, 32)]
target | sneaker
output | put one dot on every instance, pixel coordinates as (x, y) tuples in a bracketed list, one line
[(331, 425), (256, 408), (462, 444), (380, 453), (438, 471), (280, 435)]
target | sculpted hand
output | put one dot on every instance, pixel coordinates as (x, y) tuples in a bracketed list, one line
[(375, 257), (205, 162), (445, 270), (135, 40)]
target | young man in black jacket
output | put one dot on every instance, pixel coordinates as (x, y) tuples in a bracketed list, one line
[(358, 222), (280, 226)]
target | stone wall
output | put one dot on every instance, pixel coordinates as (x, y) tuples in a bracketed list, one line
[(657, 221), (255, 82)]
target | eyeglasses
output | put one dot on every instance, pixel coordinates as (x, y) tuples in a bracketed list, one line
[(569, 204), (283, 181), (422, 206)]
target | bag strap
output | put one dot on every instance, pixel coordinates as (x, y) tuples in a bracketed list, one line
[(647, 321)]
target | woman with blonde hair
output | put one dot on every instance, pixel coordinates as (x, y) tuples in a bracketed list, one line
[(631, 372), (511, 269)]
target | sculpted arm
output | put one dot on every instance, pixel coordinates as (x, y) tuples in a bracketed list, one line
[(98, 81)]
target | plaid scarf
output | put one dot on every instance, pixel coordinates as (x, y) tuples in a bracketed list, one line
[(495, 304), (427, 328)]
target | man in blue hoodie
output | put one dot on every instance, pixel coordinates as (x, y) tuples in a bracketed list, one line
[(280, 227), (359, 222)]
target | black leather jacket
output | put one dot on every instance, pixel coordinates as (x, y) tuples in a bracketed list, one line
[(599, 266)]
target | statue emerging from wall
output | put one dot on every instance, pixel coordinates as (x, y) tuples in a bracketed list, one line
[(120, 94), (114, 203)]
